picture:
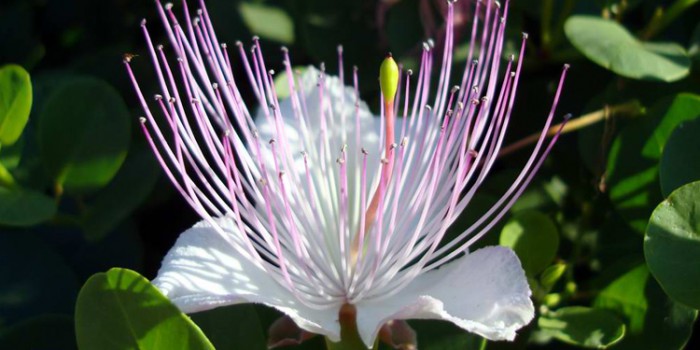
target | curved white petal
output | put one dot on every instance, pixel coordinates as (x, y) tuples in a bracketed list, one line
[(202, 271), (484, 292)]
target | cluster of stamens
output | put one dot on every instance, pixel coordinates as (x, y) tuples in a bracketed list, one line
[(358, 224)]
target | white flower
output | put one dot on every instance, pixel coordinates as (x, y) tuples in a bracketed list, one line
[(317, 204)]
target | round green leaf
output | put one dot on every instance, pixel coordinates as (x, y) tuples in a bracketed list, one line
[(131, 186), (583, 326), (281, 82), (672, 245), (534, 237), (120, 310), (679, 162), (633, 161), (22, 207), (11, 155), (269, 22), (83, 134), (15, 102), (610, 45), (653, 321)]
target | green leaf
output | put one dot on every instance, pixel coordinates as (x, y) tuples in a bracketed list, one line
[(679, 162), (15, 102), (633, 160), (42, 332), (653, 320), (35, 279), (583, 326), (672, 245), (120, 310), (282, 83), (23, 207), (83, 134), (551, 275), (685, 106), (131, 186), (440, 335), (534, 237), (694, 45), (268, 22), (610, 45), (11, 155), (232, 327)]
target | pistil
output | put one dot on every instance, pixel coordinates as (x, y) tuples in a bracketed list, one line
[(388, 81)]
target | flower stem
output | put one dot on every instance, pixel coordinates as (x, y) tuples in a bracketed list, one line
[(349, 337), (546, 23), (630, 108)]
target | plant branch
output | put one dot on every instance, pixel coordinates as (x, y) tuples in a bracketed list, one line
[(630, 108)]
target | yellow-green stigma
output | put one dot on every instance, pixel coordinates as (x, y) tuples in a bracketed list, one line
[(389, 78)]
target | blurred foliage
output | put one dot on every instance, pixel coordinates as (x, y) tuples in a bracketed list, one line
[(80, 192)]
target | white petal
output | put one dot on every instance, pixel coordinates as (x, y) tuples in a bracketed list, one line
[(202, 271), (342, 103), (484, 292)]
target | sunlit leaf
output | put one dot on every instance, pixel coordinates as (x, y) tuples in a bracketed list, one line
[(672, 245), (583, 326), (15, 102), (633, 160), (11, 155), (551, 275), (653, 320), (268, 22), (610, 45), (119, 309), (534, 237), (281, 81), (83, 134)]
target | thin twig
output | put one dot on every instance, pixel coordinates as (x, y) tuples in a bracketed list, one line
[(630, 108)]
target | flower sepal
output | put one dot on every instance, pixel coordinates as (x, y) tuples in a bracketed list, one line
[(284, 332), (399, 335)]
